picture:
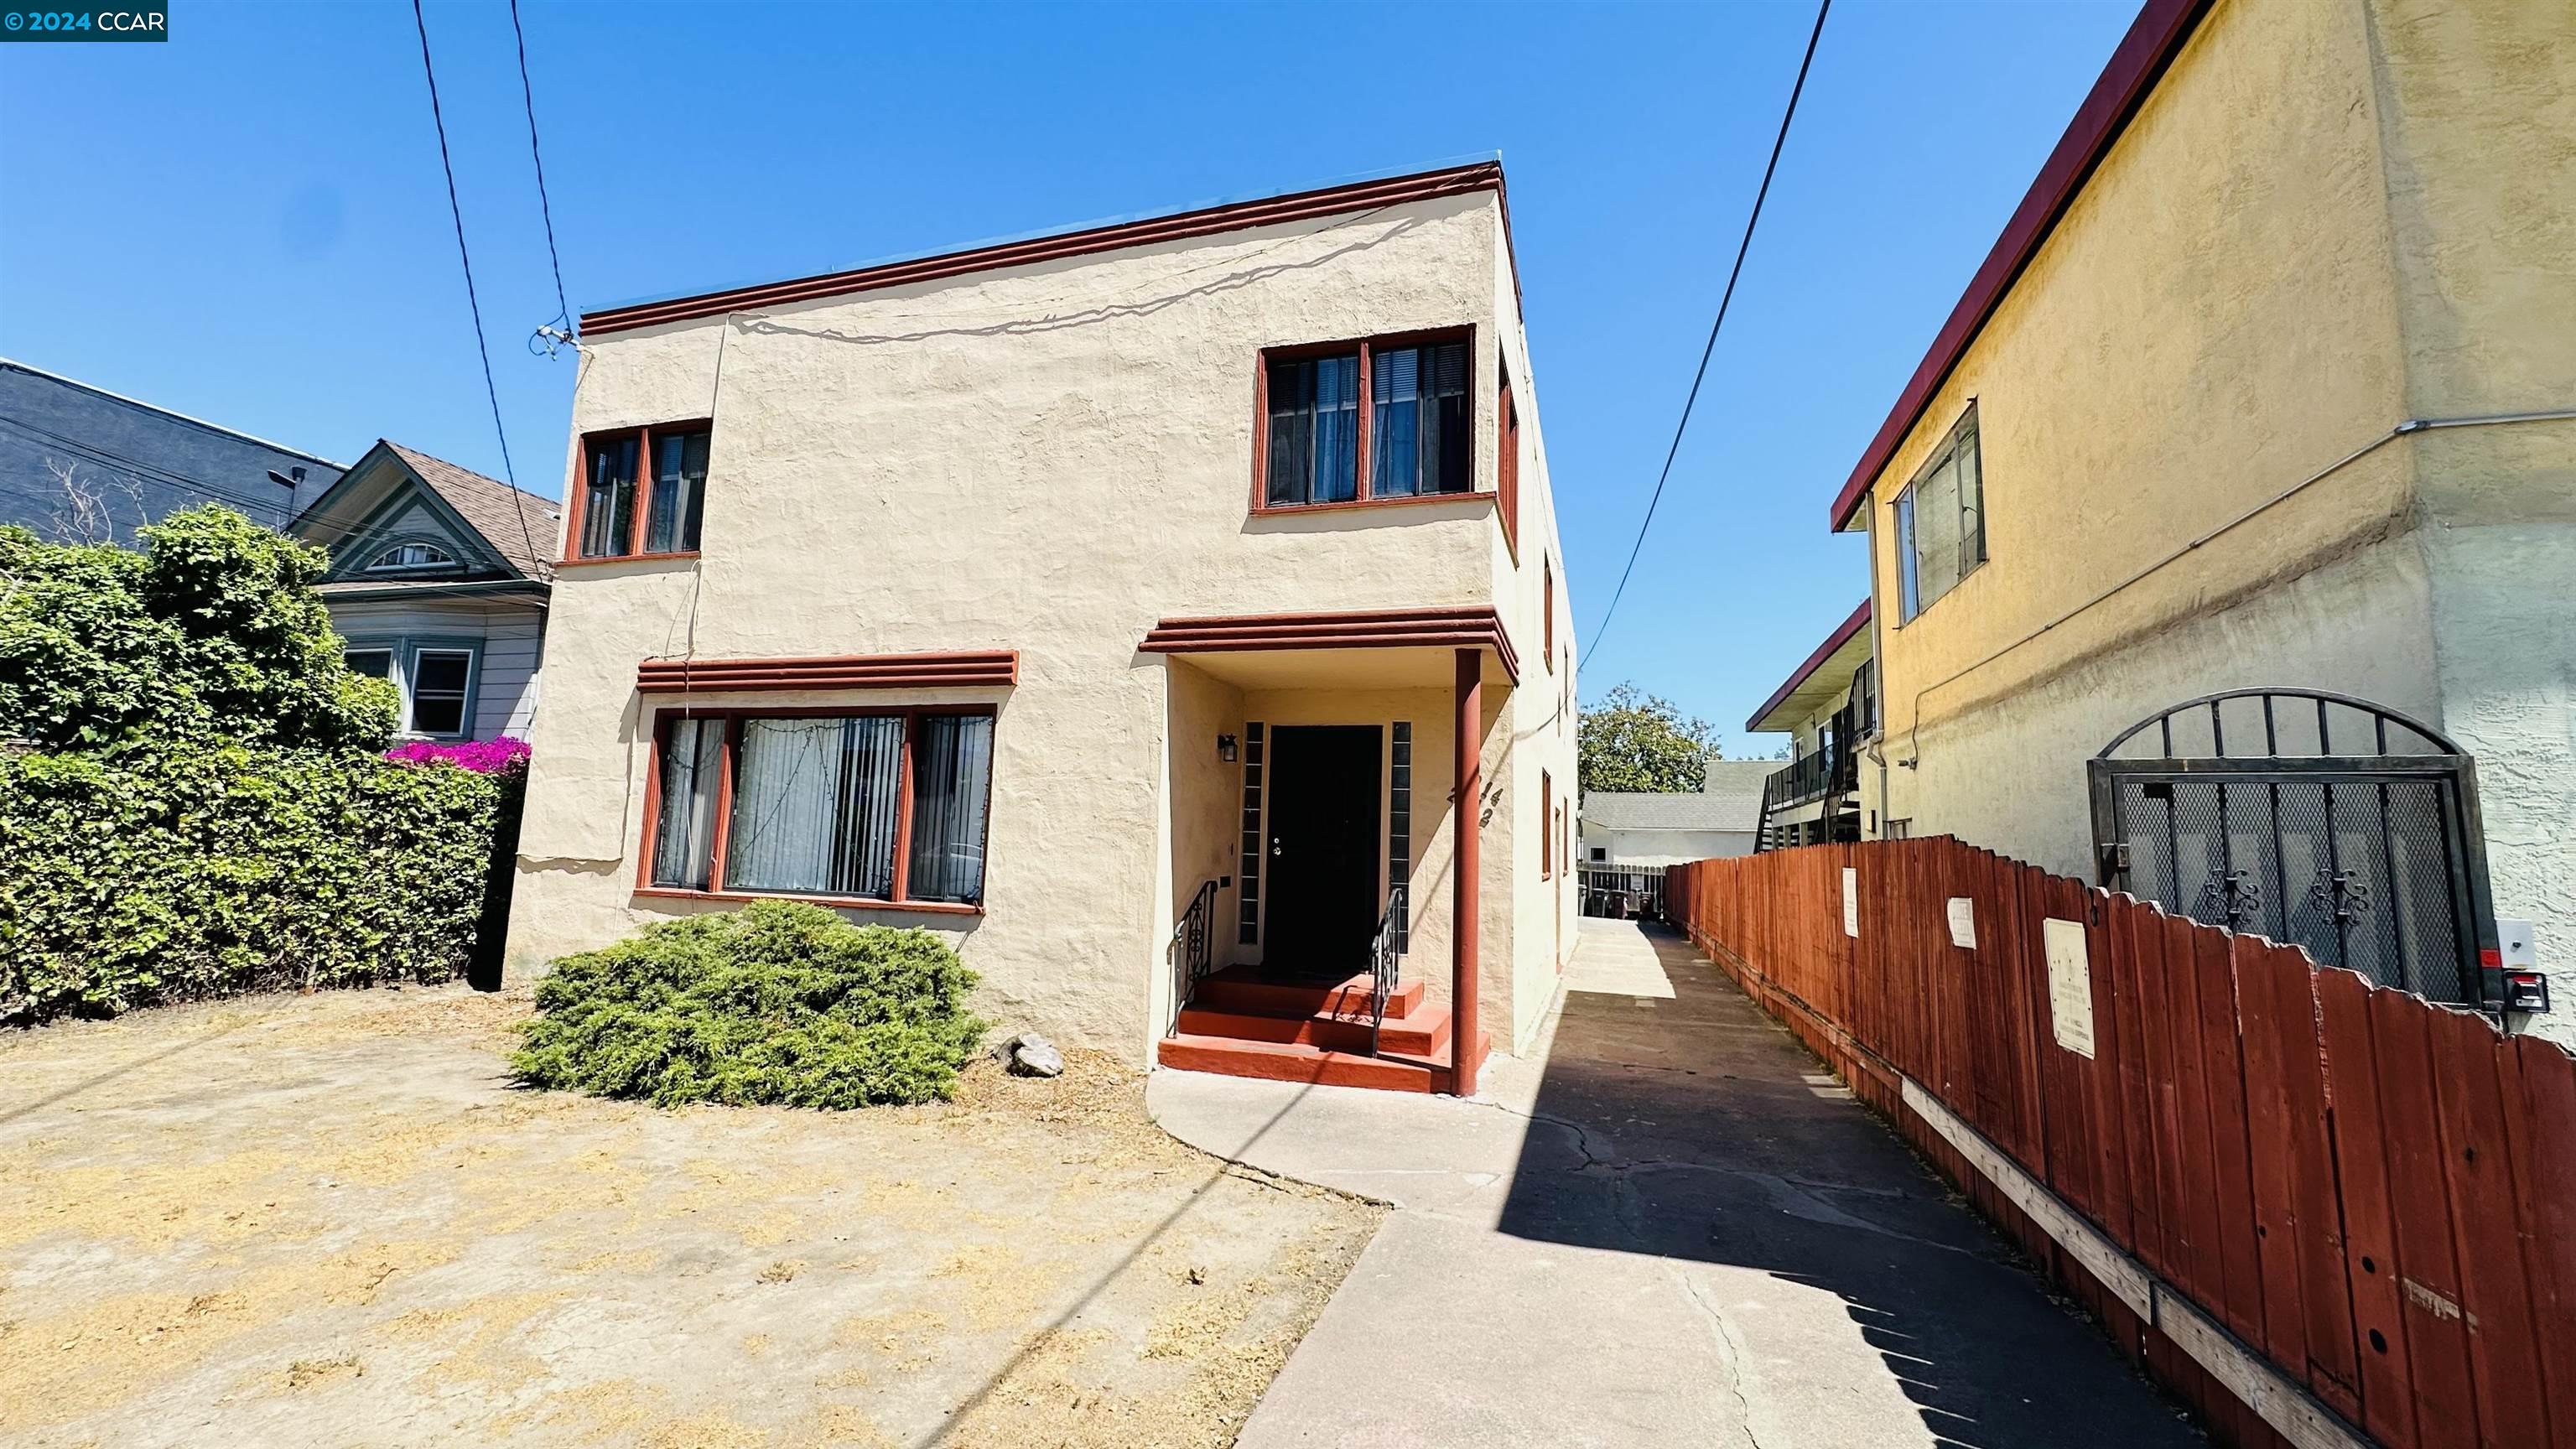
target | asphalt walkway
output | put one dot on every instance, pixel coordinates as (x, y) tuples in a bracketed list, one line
[(1667, 1226)]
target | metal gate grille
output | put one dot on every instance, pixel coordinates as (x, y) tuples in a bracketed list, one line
[(2370, 860)]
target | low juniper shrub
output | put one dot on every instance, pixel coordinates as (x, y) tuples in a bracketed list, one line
[(780, 1003)]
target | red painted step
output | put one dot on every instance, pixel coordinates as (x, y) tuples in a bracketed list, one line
[(1243, 992), (1422, 1033), (1293, 1062)]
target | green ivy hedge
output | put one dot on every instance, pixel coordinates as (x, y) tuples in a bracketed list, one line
[(163, 873)]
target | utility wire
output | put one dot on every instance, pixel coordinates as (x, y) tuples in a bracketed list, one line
[(527, 93), (1728, 296), (482, 349)]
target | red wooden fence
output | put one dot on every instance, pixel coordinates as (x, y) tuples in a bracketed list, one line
[(2375, 1193)]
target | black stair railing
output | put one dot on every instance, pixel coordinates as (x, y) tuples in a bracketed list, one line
[(1384, 961), (1193, 953)]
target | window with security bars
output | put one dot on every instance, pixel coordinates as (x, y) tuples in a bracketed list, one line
[(1370, 420), (1940, 521)]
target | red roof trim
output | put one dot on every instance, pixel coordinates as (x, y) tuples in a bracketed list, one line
[(2154, 38), (1841, 636), (1236, 216), (844, 671), (1474, 627)]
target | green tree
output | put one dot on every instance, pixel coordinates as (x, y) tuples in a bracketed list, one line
[(1640, 742), (213, 632)]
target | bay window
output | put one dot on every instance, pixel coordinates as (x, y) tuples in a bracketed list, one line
[(642, 493), (1354, 422), (882, 807)]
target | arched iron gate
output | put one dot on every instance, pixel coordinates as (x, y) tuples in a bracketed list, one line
[(2315, 819)]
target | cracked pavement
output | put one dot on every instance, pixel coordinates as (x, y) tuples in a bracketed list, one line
[(1666, 1225)]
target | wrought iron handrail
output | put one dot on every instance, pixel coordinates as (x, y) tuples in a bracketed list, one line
[(1385, 960), (1193, 939), (1828, 771)]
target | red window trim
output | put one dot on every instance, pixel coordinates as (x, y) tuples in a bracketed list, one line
[(1546, 825), (716, 890), (1507, 466), (1367, 347), (1547, 607), (641, 529)]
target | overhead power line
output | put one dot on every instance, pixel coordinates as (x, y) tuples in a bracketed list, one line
[(482, 350), (1725, 298), (545, 206)]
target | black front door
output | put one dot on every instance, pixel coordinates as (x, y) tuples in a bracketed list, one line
[(1323, 848)]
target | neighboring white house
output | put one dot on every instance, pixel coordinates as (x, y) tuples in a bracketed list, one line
[(1621, 828)]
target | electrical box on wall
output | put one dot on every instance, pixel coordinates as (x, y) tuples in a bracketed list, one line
[(2525, 989)]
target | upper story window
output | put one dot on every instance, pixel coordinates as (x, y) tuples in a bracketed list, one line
[(1354, 422), (1941, 522), (1547, 608), (643, 492), (411, 556)]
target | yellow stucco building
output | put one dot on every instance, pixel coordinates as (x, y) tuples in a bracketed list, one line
[(2269, 385), (1113, 603)]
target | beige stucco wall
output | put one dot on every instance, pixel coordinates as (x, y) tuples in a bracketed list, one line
[(1047, 459), (2477, 119), (2331, 216)]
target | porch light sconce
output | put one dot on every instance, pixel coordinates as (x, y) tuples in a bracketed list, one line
[(1225, 748)]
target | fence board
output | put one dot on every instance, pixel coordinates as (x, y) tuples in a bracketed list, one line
[(2369, 1208), (2428, 1281), (2495, 1300), (2539, 1084), (2223, 1044), (2268, 1003)]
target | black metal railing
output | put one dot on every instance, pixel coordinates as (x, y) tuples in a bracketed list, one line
[(1832, 770), (1193, 952), (1386, 957), (1620, 892)]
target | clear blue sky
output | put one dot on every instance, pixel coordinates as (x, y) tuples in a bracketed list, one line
[(248, 223)]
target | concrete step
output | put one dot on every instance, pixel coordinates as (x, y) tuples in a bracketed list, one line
[(1244, 991), (1294, 1062), (1424, 1032)]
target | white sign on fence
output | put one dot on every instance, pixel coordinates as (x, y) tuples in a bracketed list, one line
[(1851, 903), (1963, 922), (2070, 985)]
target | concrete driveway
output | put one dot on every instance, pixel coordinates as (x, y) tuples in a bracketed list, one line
[(1667, 1226)]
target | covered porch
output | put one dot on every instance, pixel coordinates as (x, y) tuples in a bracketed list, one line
[(1322, 894)]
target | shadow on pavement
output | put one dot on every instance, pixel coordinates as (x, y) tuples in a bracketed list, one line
[(1693, 1129)]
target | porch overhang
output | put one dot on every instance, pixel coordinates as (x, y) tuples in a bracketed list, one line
[(1356, 649)]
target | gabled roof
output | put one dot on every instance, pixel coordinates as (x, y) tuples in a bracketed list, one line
[(1732, 801), (1821, 676), (1366, 195), (2154, 39), (518, 524), (515, 529)]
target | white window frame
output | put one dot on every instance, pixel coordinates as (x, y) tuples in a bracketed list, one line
[(1971, 503)]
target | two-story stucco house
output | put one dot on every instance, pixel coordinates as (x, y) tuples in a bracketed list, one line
[(1169, 613), (2224, 542)]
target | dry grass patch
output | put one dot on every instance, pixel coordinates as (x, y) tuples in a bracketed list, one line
[(335, 1217)]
